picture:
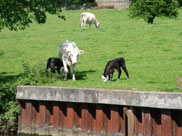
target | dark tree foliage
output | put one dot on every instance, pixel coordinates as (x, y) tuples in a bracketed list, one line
[(149, 9), (180, 3), (18, 14)]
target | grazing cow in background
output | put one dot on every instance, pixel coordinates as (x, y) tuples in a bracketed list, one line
[(69, 54), (54, 64), (111, 65), (88, 18)]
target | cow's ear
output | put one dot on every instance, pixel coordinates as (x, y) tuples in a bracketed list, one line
[(81, 51)]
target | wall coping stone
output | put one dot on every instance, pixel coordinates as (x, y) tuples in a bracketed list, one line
[(151, 99)]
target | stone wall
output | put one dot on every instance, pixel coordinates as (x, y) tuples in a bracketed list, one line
[(118, 4)]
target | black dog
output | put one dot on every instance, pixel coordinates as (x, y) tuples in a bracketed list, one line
[(117, 63), (54, 64)]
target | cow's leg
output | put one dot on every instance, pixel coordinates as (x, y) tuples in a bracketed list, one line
[(119, 73), (90, 25), (82, 22), (74, 69), (69, 71), (58, 70), (126, 72), (65, 69), (111, 74)]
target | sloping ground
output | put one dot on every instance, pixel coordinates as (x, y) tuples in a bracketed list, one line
[(153, 53)]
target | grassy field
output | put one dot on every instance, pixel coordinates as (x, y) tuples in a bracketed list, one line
[(153, 53)]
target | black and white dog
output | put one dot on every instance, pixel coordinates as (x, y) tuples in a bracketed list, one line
[(54, 64), (111, 65)]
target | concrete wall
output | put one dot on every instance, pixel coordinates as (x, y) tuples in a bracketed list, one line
[(56, 111), (119, 4), (164, 100)]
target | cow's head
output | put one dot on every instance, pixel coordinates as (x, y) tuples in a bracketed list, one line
[(104, 78), (97, 24), (74, 55)]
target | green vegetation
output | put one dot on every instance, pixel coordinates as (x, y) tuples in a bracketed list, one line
[(8, 105), (150, 9), (153, 55), (18, 15)]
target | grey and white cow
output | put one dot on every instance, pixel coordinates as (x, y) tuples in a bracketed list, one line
[(69, 54)]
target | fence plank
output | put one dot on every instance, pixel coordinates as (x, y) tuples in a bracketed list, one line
[(24, 113), (56, 115), (156, 117), (131, 122), (138, 121), (42, 114), (49, 107), (177, 122), (147, 122), (29, 111), (123, 120), (96, 118), (67, 116), (166, 123), (35, 112), (112, 117), (85, 117)]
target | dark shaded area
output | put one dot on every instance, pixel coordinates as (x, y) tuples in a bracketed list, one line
[(107, 111), (120, 52), (180, 3), (1, 53), (82, 75), (77, 109), (8, 77), (156, 115), (92, 110)]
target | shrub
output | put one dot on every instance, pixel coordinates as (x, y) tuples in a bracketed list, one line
[(35, 75), (149, 9), (8, 104)]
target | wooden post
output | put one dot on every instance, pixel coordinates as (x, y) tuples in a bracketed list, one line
[(131, 122)]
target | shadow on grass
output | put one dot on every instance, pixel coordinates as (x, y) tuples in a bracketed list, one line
[(1, 53), (120, 52), (82, 75), (8, 77), (121, 79)]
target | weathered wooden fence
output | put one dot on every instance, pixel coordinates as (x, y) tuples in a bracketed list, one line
[(85, 111)]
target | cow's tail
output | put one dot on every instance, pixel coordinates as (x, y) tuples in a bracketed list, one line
[(82, 20)]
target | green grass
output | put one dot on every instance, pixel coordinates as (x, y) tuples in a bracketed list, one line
[(153, 53)]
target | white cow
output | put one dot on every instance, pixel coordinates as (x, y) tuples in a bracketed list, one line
[(69, 54), (88, 18)]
